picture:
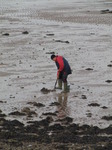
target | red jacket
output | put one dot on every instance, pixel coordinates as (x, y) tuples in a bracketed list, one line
[(59, 63), (62, 65)]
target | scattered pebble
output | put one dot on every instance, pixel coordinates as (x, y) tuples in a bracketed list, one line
[(50, 53), (89, 114), (67, 42), (39, 104), (25, 32), (55, 104), (3, 102), (109, 65), (89, 69), (94, 105), (5, 34), (104, 107), (105, 11), (108, 118), (49, 114), (36, 104), (50, 34), (46, 91), (12, 96), (22, 87), (108, 81), (84, 97)]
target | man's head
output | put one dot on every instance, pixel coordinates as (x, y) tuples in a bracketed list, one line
[(53, 57)]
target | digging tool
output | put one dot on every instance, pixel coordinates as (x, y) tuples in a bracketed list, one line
[(55, 84)]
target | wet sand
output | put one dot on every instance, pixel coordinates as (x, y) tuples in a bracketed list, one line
[(30, 33)]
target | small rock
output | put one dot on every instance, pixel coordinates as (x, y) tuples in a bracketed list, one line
[(50, 34), (25, 32), (105, 11), (12, 96), (20, 62), (92, 33), (46, 91), (108, 118), (94, 105), (50, 53), (3, 102), (67, 42), (84, 97), (104, 107), (89, 114), (30, 103), (109, 65), (89, 69), (22, 87), (62, 41), (5, 34), (108, 81), (49, 114), (38, 105), (55, 104), (16, 113)]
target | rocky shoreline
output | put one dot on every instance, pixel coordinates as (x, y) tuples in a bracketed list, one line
[(58, 134)]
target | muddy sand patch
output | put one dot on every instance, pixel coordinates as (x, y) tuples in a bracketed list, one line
[(46, 91), (69, 135)]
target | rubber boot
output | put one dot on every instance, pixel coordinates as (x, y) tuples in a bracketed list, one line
[(59, 84), (66, 88)]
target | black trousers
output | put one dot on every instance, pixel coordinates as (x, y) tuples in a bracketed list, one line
[(63, 76)]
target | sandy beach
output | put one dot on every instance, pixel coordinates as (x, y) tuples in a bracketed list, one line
[(79, 30)]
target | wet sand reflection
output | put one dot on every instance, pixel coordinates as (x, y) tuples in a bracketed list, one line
[(62, 107)]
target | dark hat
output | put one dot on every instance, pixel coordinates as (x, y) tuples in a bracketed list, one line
[(52, 56)]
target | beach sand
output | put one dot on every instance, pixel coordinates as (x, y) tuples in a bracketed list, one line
[(79, 30)]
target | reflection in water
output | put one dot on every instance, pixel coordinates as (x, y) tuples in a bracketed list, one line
[(62, 108)]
